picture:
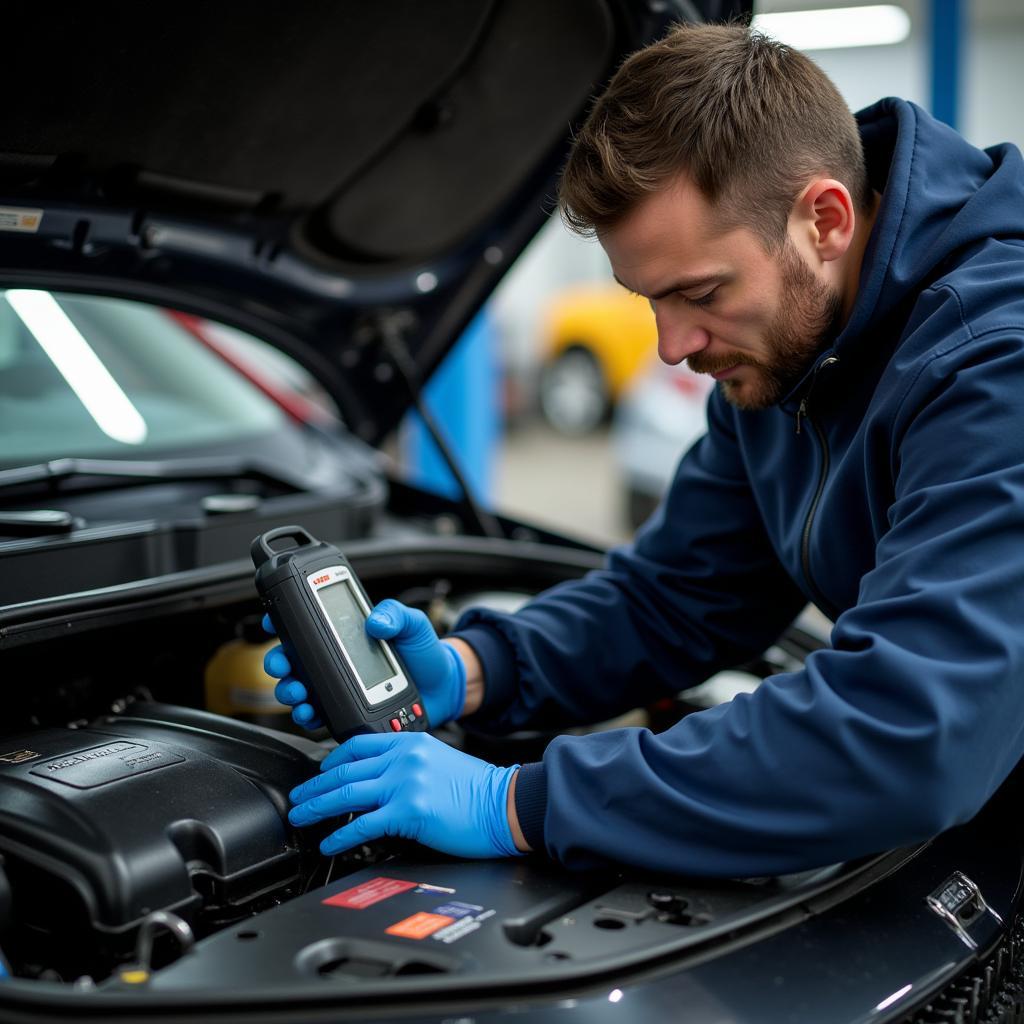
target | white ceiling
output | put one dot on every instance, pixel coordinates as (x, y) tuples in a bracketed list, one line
[(979, 12)]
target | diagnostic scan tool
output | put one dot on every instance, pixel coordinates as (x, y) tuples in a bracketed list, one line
[(319, 609)]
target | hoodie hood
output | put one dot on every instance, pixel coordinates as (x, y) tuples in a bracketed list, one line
[(959, 197)]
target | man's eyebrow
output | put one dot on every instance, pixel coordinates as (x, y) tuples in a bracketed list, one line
[(684, 284)]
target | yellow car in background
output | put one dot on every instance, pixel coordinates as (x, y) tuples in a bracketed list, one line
[(597, 338)]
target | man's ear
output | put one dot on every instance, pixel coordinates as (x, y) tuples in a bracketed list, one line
[(824, 218)]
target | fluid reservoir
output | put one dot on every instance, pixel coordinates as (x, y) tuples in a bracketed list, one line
[(236, 684)]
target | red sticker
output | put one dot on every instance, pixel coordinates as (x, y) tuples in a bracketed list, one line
[(419, 926), (367, 893)]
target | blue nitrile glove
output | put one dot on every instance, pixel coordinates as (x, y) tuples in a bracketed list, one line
[(289, 690), (437, 671), (410, 785)]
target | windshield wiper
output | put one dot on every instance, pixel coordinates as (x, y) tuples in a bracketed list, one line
[(56, 471)]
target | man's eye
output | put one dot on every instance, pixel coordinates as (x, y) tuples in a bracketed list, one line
[(703, 300)]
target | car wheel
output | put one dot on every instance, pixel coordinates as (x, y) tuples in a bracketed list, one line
[(573, 392)]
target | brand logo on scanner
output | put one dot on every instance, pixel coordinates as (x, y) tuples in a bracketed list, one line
[(89, 755), (320, 579)]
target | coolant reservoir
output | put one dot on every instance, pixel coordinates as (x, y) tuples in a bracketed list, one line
[(236, 684)]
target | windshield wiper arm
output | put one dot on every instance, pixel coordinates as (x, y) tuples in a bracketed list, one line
[(162, 471)]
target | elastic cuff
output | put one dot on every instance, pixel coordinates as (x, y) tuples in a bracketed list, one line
[(458, 696), (498, 661), (532, 803), (501, 833)]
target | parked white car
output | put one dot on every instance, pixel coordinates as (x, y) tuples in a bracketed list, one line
[(655, 422)]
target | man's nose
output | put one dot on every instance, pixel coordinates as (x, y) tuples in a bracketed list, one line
[(678, 340)]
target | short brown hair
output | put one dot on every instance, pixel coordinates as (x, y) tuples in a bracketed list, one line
[(748, 119)]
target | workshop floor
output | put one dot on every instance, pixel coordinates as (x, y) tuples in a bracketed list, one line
[(562, 482)]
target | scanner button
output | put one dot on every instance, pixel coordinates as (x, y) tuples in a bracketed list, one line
[(396, 725), (417, 710)]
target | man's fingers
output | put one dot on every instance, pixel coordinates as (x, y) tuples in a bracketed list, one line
[(409, 627), (340, 775), (276, 664), (358, 796), (290, 692), (268, 626), (365, 829), (371, 744), (305, 716), (387, 620)]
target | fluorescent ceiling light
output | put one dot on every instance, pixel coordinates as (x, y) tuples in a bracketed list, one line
[(90, 380), (837, 27)]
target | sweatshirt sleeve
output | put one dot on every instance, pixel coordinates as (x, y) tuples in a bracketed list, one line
[(699, 590), (902, 729)]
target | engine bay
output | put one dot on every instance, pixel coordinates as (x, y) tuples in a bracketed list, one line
[(144, 838)]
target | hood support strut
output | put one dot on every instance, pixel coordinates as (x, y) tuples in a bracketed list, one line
[(390, 328)]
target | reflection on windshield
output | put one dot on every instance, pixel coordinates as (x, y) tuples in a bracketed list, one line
[(94, 376), (69, 352)]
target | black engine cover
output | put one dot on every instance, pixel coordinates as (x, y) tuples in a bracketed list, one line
[(164, 808)]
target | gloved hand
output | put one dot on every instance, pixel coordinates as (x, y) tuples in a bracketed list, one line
[(410, 785), (436, 668), (289, 690)]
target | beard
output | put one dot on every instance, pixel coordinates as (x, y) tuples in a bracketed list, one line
[(809, 316)]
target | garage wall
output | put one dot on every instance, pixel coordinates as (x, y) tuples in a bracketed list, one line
[(991, 74), (994, 75), (992, 83)]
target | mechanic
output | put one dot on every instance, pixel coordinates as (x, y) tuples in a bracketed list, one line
[(856, 287)]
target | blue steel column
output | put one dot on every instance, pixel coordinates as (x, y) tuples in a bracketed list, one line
[(464, 398), (947, 40)]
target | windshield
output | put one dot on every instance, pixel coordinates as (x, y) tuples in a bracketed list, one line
[(102, 377)]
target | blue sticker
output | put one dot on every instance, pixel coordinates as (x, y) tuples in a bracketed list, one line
[(457, 909)]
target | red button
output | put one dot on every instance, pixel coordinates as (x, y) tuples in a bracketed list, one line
[(417, 710), (396, 725)]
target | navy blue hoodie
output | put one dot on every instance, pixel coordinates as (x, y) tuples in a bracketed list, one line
[(897, 507)]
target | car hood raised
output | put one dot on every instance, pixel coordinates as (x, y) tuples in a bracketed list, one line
[(347, 180)]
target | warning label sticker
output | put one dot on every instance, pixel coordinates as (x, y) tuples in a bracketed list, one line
[(456, 908), (461, 928), (18, 218), (419, 925), (367, 893)]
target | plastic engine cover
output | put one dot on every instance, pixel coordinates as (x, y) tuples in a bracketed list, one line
[(101, 826)]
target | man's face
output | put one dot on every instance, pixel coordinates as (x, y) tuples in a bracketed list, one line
[(752, 319)]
